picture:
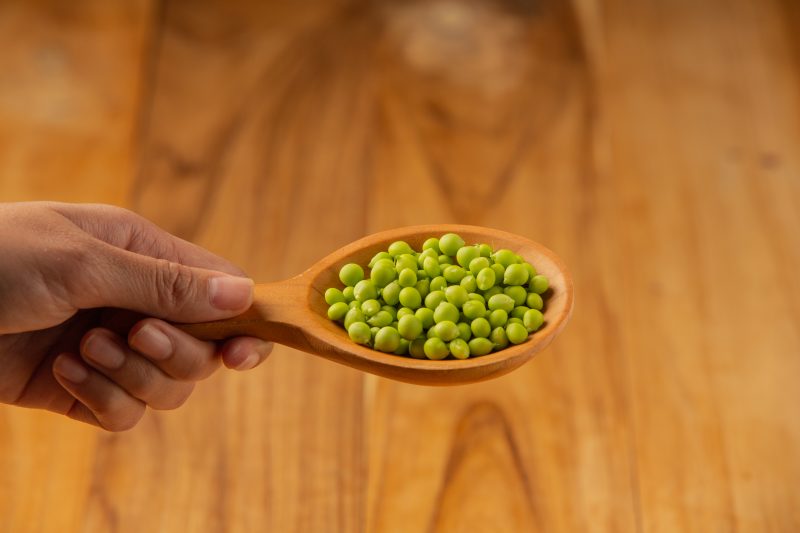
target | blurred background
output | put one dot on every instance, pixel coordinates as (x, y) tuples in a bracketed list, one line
[(653, 145)]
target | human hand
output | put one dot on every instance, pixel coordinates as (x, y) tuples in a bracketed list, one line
[(79, 287)]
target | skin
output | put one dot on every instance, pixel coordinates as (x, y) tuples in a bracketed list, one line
[(86, 293)]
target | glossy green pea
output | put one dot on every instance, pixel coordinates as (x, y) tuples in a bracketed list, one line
[(534, 301), (505, 257), (533, 319), (477, 297), (406, 261), (519, 311), (486, 279), (538, 284), (491, 292), (456, 295), (391, 293), (407, 278), (513, 320), (515, 275), (353, 315), (350, 274), (435, 348), (453, 273), (423, 287), (403, 311), (501, 301), (431, 244), (530, 268), (425, 316), (359, 332), (485, 250), (354, 305), (382, 274), (370, 307), (473, 309), (399, 248), (438, 284), (518, 294), (459, 348), (466, 254), (449, 244), (480, 346), (383, 262), (499, 338), (410, 327), (380, 319), (445, 260), (478, 264), (430, 333), (334, 295), (499, 271), (373, 331), (445, 311), (417, 348), (387, 339), (337, 310), (464, 331), (377, 257), (421, 257), (421, 274), (516, 333), (365, 290), (469, 283), (410, 297), (402, 348), (480, 327), (434, 298), (431, 267), (498, 317), (447, 330)]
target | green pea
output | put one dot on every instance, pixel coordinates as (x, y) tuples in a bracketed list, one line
[(403, 311), (438, 283), (410, 327), (431, 267), (456, 295), (353, 315), (459, 348), (434, 298), (499, 270), (334, 295), (337, 311), (377, 257), (399, 248), (519, 311), (410, 297), (359, 332), (373, 331), (488, 293), (407, 278), (469, 284), (406, 261), (533, 319), (518, 294), (370, 307), (423, 287), (501, 301), (453, 273), (383, 274), (485, 279), (391, 310), (445, 311), (480, 327), (365, 290), (499, 338), (466, 254), (432, 244), (473, 309), (384, 262), (530, 268), (447, 330), (445, 260), (539, 284), (535, 301), (477, 297), (464, 331), (516, 333), (402, 348), (391, 293), (417, 348), (478, 264), (430, 333), (380, 319), (515, 275), (387, 340), (450, 243), (498, 317), (504, 257), (435, 348), (425, 316), (354, 305), (350, 274), (480, 346), (347, 292), (421, 257), (485, 250), (514, 320), (421, 274)]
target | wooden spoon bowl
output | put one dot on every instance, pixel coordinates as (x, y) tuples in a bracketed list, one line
[(294, 313)]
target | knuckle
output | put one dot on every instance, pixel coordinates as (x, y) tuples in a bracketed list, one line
[(175, 284)]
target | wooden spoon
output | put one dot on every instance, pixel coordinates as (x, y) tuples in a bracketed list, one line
[(294, 313)]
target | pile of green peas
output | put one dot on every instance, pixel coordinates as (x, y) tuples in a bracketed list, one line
[(449, 299)]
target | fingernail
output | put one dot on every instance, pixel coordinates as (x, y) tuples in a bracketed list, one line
[(230, 293), (152, 342), (249, 362), (103, 351), (70, 369)]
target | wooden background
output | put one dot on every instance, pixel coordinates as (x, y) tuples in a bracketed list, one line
[(653, 144)]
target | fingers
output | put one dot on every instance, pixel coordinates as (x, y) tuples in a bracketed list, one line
[(99, 400), (244, 353)]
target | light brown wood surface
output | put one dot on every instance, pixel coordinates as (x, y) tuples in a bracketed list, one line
[(652, 145)]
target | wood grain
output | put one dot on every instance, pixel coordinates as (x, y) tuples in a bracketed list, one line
[(651, 144)]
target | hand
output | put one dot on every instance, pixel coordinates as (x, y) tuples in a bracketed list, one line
[(77, 285)]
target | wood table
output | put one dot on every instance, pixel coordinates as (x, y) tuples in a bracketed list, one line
[(653, 145)]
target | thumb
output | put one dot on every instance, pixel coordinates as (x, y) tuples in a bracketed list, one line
[(162, 288)]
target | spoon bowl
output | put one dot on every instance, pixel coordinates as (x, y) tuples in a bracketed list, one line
[(294, 312)]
